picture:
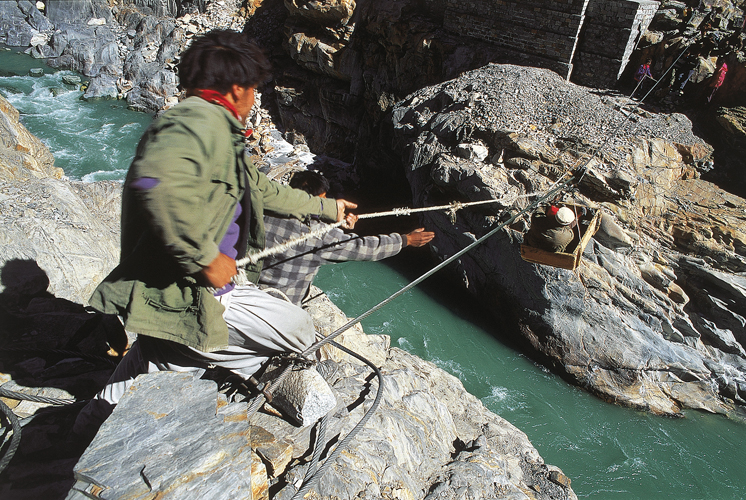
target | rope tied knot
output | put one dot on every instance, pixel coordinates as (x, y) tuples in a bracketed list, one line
[(455, 207)]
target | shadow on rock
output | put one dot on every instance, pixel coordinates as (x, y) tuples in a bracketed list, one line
[(54, 348)]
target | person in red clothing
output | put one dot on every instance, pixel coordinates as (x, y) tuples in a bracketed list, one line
[(644, 78), (551, 229), (717, 79)]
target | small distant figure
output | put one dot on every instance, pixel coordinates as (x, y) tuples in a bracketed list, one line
[(717, 79), (644, 78), (551, 229), (683, 71)]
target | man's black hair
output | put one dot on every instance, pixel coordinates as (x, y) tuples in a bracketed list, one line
[(311, 182), (221, 58)]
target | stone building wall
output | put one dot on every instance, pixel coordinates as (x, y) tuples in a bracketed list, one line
[(590, 40), (544, 28), (611, 32)]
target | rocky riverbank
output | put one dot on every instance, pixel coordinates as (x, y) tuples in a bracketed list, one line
[(654, 316), (428, 439), (670, 254)]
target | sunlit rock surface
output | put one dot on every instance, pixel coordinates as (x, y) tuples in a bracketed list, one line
[(22, 155), (654, 316)]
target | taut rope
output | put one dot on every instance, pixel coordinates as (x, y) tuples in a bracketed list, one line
[(452, 208)]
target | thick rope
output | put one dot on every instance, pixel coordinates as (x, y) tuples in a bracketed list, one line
[(325, 228), (283, 247), (451, 207), (15, 440), (332, 458), (36, 399), (318, 449)]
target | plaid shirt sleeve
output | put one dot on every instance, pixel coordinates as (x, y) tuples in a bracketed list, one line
[(292, 272)]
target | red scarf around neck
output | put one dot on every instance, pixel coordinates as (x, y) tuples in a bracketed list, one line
[(216, 97)]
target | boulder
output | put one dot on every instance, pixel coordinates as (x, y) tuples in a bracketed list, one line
[(639, 322), (302, 395), (167, 445), (102, 87)]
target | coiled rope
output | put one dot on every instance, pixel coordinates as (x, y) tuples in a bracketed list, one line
[(311, 479), (15, 439), (15, 425), (36, 399)]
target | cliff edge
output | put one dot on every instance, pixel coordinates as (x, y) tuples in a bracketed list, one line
[(428, 439)]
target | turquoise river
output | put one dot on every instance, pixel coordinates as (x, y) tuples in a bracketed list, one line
[(609, 452)]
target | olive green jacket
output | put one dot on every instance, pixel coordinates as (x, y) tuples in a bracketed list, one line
[(548, 234), (194, 156)]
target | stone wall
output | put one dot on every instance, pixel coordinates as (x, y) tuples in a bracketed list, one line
[(590, 40), (545, 28), (610, 33)]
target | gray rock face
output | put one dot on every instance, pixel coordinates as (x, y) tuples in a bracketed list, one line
[(428, 439), (15, 29), (654, 316), (165, 446), (75, 12), (92, 51), (160, 8), (35, 18)]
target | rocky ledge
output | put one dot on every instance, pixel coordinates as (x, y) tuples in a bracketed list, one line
[(428, 439), (655, 315)]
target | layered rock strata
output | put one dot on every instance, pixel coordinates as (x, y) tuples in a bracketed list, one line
[(654, 317)]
